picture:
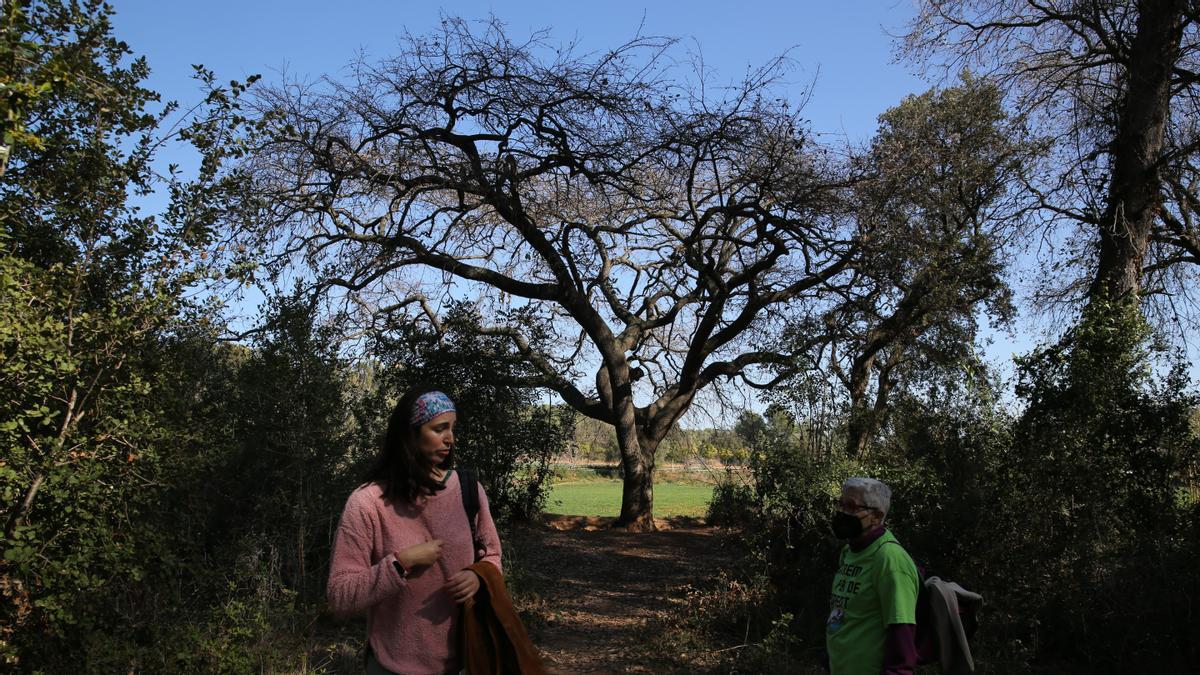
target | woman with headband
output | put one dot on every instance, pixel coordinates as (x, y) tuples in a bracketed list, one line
[(403, 545)]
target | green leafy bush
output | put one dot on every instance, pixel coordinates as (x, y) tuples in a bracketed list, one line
[(1096, 461), (732, 503)]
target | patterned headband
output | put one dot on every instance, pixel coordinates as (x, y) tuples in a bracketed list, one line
[(429, 406)]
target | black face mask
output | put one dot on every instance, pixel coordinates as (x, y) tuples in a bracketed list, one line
[(845, 526)]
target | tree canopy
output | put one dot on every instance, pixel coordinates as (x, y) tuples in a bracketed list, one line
[(625, 224), (939, 197)]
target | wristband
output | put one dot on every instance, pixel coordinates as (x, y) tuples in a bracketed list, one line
[(400, 568)]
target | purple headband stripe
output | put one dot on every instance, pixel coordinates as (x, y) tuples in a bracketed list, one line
[(429, 406)]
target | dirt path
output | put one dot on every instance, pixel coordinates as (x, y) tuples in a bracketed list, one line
[(600, 593)]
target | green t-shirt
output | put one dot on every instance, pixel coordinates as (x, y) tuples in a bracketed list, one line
[(872, 589)]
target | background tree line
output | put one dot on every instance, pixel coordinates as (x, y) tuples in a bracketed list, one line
[(631, 243)]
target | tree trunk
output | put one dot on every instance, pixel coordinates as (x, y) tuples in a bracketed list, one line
[(858, 428), (1133, 198), (637, 492), (866, 421)]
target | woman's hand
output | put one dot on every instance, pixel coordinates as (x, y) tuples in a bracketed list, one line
[(462, 586), (421, 554)]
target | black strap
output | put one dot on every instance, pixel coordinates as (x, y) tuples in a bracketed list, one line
[(470, 499)]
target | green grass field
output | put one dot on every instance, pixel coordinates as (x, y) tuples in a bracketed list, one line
[(603, 498)]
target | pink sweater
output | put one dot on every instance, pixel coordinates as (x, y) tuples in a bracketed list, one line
[(412, 623)]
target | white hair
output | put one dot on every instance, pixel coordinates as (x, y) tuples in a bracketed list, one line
[(875, 494)]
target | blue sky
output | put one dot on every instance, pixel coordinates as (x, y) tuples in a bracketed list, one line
[(843, 51)]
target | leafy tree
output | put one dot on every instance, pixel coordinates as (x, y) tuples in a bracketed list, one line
[(938, 196), (630, 231), (90, 287), (73, 427), (749, 427), (88, 284), (20, 86), (292, 430)]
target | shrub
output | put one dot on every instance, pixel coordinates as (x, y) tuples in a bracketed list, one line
[(732, 502), (1096, 461)]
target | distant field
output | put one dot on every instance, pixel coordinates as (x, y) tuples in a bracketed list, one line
[(603, 498)]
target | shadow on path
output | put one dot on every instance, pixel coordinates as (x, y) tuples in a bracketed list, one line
[(604, 590)]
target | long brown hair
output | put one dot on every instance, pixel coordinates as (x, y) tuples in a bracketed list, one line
[(402, 472)]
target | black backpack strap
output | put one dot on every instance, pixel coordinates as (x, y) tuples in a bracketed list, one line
[(470, 499)]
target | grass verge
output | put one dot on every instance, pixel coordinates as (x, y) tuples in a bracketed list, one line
[(603, 498)]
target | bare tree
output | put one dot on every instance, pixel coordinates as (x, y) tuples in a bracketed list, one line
[(1116, 83), (617, 220)]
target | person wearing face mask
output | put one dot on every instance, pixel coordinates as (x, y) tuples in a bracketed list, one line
[(871, 627), (404, 545)]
